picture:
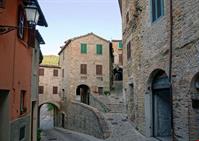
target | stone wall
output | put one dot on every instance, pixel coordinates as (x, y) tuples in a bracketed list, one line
[(86, 119), (150, 52), (96, 103), (15, 128)]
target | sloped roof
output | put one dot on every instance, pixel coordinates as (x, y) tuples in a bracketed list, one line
[(50, 60), (78, 37)]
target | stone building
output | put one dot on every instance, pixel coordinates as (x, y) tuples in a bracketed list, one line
[(18, 42), (161, 67), (49, 81), (118, 59), (85, 62)]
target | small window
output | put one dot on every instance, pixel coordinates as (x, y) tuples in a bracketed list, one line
[(21, 22), (22, 132), (84, 48), (41, 89), (98, 69), (128, 50), (127, 17), (98, 49), (120, 59), (157, 7), (22, 102), (62, 73), (120, 45), (83, 69), (100, 90), (41, 72), (55, 72), (55, 90), (195, 104)]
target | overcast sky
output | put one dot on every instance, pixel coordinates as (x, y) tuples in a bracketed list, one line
[(70, 18)]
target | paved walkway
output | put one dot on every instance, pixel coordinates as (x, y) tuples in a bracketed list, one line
[(122, 129), (58, 134)]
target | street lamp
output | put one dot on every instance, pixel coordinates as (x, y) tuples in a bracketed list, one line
[(32, 16)]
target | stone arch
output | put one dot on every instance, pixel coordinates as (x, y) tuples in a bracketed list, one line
[(118, 73), (55, 112), (194, 108), (83, 91), (158, 105)]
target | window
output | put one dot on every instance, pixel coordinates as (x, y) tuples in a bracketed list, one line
[(63, 73), (98, 49), (41, 89), (55, 72), (22, 133), (22, 102), (157, 7), (98, 69), (83, 69), (41, 72), (2, 3), (55, 90), (100, 90), (120, 45), (127, 17), (84, 48), (195, 104), (21, 22), (121, 59), (128, 50)]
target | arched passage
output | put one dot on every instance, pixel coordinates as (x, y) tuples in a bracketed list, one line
[(118, 73), (83, 91), (160, 105), (194, 109), (48, 115)]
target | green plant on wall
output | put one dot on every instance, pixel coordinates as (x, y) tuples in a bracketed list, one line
[(39, 134), (50, 107), (106, 93)]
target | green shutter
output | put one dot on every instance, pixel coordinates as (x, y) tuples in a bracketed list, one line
[(84, 48), (120, 45), (98, 49)]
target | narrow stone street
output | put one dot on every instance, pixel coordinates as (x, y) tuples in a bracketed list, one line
[(58, 134), (122, 128)]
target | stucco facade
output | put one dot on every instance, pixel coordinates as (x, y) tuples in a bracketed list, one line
[(168, 46), (71, 59)]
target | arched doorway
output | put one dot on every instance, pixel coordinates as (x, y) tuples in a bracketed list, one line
[(158, 106), (47, 115), (194, 109), (118, 73), (161, 105), (83, 92)]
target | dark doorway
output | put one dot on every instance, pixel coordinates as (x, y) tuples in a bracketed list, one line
[(84, 93), (161, 104), (118, 74), (4, 115), (63, 120)]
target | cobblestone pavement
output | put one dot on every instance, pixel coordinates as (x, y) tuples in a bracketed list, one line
[(58, 134), (46, 118), (122, 129)]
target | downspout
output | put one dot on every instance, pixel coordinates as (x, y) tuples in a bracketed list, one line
[(170, 66)]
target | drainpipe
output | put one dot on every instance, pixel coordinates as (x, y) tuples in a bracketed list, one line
[(170, 65)]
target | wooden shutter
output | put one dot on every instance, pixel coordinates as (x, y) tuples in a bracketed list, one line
[(120, 45), (83, 69), (121, 59), (63, 73), (2, 3), (41, 89), (41, 72), (55, 89), (128, 50), (98, 69), (55, 72), (99, 49), (84, 48)]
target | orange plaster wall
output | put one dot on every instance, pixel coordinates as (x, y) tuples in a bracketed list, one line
[(15, 61)]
